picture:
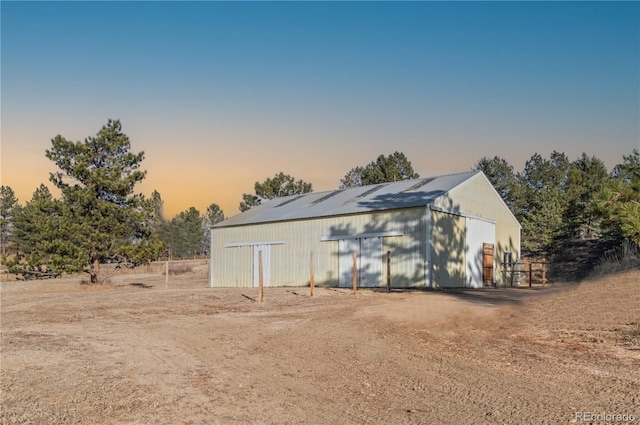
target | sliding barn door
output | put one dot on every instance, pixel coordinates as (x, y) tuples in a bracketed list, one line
[(479, 268), (369, 262)]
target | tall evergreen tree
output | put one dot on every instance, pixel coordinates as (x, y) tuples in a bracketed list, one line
[(44, 238), (353, 178), (156, 206), (587, 175), (543, 182), (618, 202), (214, 215), (97, 179), (184, 235), (8, 205), (629, 169)]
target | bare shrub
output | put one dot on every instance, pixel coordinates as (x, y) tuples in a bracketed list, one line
[(623, 258), (632, 336), (177, 269)]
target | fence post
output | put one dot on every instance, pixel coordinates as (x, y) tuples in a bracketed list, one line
[(166, 275), (388, 271), (311, 278), (260, 277), (355, 272), (544, 271), (513, 272), (530, 275)]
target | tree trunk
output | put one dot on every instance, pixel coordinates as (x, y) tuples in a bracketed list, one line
[(96, 270)]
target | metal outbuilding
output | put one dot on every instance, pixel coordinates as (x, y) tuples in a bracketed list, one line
[(446, 231)]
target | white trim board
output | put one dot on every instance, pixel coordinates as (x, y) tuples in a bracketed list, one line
[(237, 244), (361, 236), (461, 214)]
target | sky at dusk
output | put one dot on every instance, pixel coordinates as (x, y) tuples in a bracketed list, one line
[(220, 95)]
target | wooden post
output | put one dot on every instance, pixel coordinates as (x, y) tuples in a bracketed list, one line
[(388, 271), (260, 277), (311, 278), (166, 275), (355, 272), (513, 272), (530, 275), (544, 272)]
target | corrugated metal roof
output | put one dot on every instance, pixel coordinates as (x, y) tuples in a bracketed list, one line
[(378, 197)]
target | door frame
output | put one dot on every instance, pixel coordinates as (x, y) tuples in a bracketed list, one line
[(266, 259)]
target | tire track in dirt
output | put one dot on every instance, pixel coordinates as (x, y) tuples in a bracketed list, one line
[(194, 355)]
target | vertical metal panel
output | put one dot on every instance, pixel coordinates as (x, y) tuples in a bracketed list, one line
[(478, 232), (447, 250), (266, 264), (370, 267), (427, 246), (346, 249), (241, 266), (211, 269)]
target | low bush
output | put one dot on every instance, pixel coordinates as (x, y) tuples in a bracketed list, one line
[(624, 257)]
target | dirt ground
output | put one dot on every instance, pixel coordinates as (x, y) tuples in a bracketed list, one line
[(135, 352)]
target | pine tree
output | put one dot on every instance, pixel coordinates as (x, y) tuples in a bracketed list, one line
[(587, 175), (394, 167), (543, 183), (617, 203), (184, 235), (8, 205), (280, 185), (214, 214), (97, 181)]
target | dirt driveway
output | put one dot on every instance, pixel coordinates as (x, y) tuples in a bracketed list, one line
[(137, 353)]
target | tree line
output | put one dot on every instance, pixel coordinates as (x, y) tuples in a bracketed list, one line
[(556, 199), (100, 217)]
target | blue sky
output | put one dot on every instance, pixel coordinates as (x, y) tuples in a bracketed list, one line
[(220, 95)]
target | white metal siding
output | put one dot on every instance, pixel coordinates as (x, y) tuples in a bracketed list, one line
[(476, 197), (346, 249), (289, 262), (266, 264), (370, 268), (477, 232)]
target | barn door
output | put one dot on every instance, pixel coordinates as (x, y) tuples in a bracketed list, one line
[(370, 270), (266, 264), (369, 262), (346, 248), (487, 264)]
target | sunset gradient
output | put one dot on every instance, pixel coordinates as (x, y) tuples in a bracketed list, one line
[(220, 95)]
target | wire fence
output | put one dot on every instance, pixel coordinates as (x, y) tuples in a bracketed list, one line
[(157, 270)]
